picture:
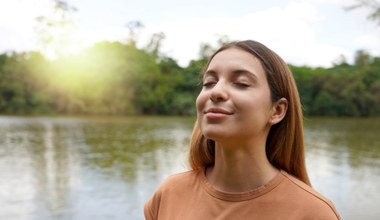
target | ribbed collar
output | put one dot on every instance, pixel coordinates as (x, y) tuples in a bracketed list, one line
[(236, 197)]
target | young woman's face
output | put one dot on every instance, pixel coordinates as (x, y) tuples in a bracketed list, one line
[(235, 101)]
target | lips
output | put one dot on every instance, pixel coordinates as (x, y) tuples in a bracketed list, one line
[(217, 113), (218, 110)]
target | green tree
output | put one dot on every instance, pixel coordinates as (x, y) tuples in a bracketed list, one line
[(304, 79), (362, 58), (23, 84)]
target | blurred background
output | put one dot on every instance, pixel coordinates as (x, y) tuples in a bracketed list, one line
[(97, 97)]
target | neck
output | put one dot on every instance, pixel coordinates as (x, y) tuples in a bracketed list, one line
[(240, 169)]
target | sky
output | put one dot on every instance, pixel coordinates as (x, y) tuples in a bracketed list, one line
[(302, 32)]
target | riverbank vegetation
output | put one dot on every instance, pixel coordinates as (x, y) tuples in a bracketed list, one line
[(119, 78)]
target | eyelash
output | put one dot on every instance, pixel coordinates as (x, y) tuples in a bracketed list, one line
[(242, 85), (237, 84), (208, 84)]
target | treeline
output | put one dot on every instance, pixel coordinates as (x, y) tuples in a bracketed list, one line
[(116, 78), (108, 78), (343, 90)]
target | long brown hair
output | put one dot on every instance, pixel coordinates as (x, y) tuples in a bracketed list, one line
[(285, 143)]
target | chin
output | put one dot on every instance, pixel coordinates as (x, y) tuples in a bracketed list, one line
[(217, 135), (217, 131)]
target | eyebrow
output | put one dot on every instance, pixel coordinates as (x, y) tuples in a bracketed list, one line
[(236, 73), (209, 72), (247, 73)]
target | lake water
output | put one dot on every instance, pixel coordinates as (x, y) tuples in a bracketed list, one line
[(106, 168)]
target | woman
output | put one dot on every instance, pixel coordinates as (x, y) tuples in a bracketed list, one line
[(247, 150)]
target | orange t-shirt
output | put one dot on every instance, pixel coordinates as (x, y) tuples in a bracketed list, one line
[(188, 195)]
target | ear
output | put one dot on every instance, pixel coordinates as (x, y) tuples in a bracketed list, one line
[(280, 108)]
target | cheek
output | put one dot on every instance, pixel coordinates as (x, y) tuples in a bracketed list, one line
[(200, 101), (252, 105)]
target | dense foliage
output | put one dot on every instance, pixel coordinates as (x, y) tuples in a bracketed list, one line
[(343, 90), (108, 78), (117, 78)]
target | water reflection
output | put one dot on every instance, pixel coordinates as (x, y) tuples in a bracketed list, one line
[(106, 168), (343, 159), (38, 169), (85, 168), (140, 152)]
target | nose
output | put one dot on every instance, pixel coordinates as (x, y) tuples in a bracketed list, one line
[(219, 92)]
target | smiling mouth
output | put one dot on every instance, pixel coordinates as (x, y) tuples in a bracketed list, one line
[(217, 113)]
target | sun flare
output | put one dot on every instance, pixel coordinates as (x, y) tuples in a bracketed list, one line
[(64, 43)]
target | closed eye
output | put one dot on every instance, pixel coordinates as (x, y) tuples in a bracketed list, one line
[(208, 84), (242, 85)]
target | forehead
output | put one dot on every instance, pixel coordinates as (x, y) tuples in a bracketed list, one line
[(233, 59)]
